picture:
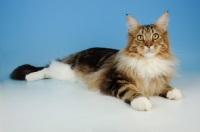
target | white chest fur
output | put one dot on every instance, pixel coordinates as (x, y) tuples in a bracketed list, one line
[(147, 68)]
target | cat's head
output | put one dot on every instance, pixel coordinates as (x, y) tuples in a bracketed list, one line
[(148, 40)]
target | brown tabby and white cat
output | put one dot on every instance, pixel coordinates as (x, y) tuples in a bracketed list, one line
[(140, 70)]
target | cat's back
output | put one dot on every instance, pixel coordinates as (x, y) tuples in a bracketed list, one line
[(92, 58)]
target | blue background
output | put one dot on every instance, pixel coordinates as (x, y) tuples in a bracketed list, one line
[(37, 31)]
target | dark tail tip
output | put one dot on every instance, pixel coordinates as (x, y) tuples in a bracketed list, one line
[(20, 72)]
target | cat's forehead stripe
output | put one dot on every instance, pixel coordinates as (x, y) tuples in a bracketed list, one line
[(147, 28)]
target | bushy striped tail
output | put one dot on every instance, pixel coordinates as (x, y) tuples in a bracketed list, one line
[(20, 72)]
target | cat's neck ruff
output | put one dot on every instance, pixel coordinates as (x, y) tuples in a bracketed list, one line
[(148, 67)]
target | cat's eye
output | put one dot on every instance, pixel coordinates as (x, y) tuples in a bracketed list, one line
[(155, 36), (140, 37)]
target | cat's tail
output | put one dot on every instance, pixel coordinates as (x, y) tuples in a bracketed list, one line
[(56, 70), (20, 72)]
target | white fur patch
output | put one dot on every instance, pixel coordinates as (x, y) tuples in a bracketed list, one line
[(149, 54), (141, 104), (175, 94), (61, 71), (36, 75), (149, 67), (56, 70)]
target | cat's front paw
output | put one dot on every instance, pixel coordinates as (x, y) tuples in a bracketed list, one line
[(141, 104), (174, 94)]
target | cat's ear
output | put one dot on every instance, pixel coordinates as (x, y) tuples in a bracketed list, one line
[(162, 21), (132, 24)]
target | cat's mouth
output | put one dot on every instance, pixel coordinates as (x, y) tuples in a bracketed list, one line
[(149, 53)]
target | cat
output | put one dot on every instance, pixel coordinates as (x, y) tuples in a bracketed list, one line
[(143, 68)]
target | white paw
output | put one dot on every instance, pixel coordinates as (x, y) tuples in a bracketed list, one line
[(174, 94), (36, 75), (141, 104), (31, 77)]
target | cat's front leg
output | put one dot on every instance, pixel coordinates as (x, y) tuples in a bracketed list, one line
[(141, 104), (130, 94), (171, 93)]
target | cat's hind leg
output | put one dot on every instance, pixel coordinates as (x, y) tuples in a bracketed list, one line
[(36, 75), (56, 70)]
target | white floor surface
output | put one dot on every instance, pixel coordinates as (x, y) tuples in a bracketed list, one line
[(58, 106)]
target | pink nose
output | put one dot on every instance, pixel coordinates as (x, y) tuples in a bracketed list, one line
[(148, 45)]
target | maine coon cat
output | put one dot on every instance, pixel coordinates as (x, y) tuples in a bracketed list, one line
[(140, 70)]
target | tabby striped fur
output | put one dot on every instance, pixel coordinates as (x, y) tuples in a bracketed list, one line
[(140, 70)]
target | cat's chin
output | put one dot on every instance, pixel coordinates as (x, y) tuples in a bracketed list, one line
[(149, 54)]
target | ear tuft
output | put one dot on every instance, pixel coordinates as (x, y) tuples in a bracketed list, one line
[(132, 24), (162, 21)]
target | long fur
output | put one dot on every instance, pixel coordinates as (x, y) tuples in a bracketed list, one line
[(140, 70), (153, 67)]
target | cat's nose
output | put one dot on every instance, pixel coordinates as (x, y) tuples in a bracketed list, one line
[(148, 45)]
